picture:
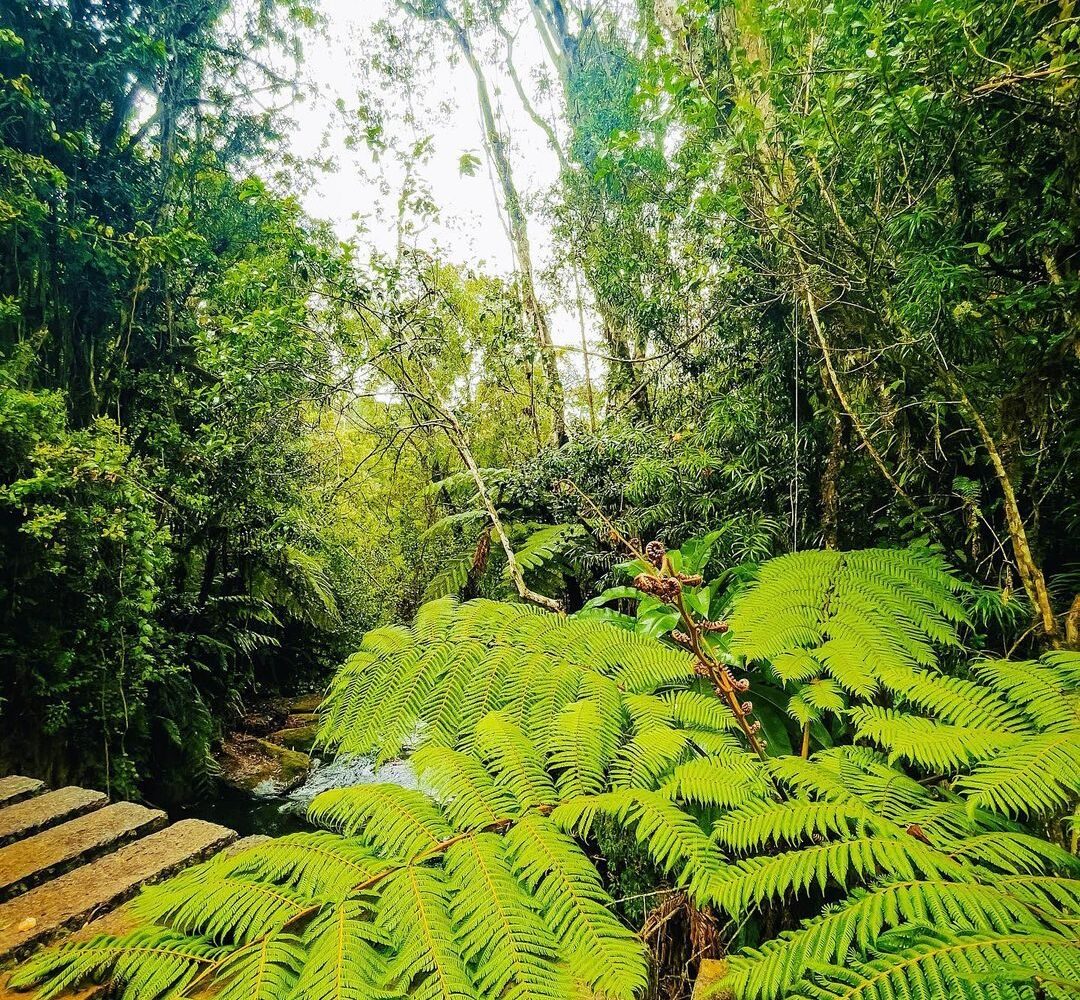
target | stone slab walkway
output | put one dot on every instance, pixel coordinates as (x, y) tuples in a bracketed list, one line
[(71, 859)]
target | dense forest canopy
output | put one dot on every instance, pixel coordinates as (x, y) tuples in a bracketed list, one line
[(801, 306)]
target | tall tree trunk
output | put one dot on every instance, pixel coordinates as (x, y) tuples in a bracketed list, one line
[(830, 477), (776, 188), (534, 312), (563, 45)]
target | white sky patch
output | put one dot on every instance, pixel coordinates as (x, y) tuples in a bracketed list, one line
[(359, 195)]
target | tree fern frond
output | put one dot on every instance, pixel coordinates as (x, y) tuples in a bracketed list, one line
[(884, 788), (344, 957), (499, 932), (465, 519), (479, 657), (851, 662), (927, 743), (1066, 664), (537, 700), (1039, 688), (465, 791), (695, 710), (647, 711), (672, 837), (599, 949), (644, 665), (777, 966), (265, 970), (751, 881), (944, 823), (482, 692), (824, 695), (810, 777), (398, 822), (452, 576), (149, 963), (722, 782), (760, 824), (797, 664), (1047, 893), (845, 773), (547, 546), (529, 728), (314, 864), (888, 606), (946, 965), (577, 750), (516, 763), (1013, 853), (1039, 777), (957, 701), (223, 907), (648, 757), (414, 913)]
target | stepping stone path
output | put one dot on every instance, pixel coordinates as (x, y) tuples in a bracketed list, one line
[(70, 859), (33, 814)]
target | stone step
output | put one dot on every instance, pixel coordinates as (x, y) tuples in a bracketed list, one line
[(72, 899), (88, 835), (119, 922), (41, 811), (15, 788)]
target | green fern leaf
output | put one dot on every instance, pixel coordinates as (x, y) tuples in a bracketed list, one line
[(947, 965), (777, 967), (517, 765), (497, 928), (398, 822), (265, 970), (219, 906), (150, 962), (600, 951), (466, 792), (927, 743), (1039, 777), (414, 913), (751, 881), (313, 864), (759, 824), (344, 957)]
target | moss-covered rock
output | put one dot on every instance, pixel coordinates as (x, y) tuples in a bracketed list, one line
[(296, 737), (260, 766), (306, 703)]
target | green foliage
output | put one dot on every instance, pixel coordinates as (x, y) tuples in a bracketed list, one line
[(425, 907), (169, 514), (841, 606), (535, 730), (832, 248)]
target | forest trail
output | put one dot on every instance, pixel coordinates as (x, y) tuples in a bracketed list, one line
[(69, 858)]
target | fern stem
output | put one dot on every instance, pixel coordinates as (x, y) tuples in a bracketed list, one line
[(716, 671)]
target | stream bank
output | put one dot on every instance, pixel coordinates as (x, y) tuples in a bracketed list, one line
[(269, 773)]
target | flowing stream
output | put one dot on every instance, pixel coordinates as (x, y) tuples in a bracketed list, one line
[(265, 811)]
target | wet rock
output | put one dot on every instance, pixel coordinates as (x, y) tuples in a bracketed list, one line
[(263, 717), (296, 737), (299, 719), (260, 767), (306, 703)]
